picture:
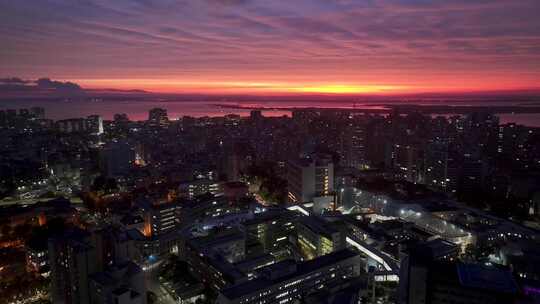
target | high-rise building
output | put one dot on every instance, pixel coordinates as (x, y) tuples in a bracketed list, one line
[(425, 280), (3, 118), (436, 164), (94, 124), (122, 283), (11, 116), (24, 113), (37, 258), (158, 117), (377, 135), (256, 115), (310, 177), (95, 268), (113, 245), (473, 173), (72, 260), (354, 144), (480, 129), (116, 159), (120, 122), (74, 125), (160, 217), (38, 112), (236, 159), (406, 160)]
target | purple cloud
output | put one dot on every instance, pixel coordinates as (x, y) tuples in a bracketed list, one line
[(230, 38)]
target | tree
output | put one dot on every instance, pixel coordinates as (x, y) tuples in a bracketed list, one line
[(272, 187)]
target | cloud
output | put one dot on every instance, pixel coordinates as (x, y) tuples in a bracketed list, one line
[(13, 81), (39, 86), (397, 41), (46, 83), (228, 2)]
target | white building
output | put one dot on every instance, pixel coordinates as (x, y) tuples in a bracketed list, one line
[(310, 177)]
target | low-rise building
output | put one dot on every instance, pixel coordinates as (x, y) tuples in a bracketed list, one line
[(288, 281), (316, 237)]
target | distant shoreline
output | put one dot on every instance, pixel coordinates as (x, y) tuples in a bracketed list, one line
[(404, 109), (137, 110)]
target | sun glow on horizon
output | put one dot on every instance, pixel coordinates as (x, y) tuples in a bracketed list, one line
[(240, 87), (350, 89), (284, 88)]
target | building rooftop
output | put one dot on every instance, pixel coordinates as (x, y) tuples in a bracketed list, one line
[(207, 242), (130, 219), (487, 278), (390, 224), (318, 225), (265, 280), (270, 215), (116, 274)]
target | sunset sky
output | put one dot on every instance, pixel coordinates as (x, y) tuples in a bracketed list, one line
[(275, 46)]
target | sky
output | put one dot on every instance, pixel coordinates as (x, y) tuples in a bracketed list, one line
[(275, 46)]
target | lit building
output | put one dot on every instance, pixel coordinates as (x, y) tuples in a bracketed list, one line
[(199, 187), (115, 244), (72, 259), (288, 281), (160, 228), (271, 229), (92, 268), (160, 217), (158, 117), (308, 178), (37, 260), (406, 160), (354, 143), (440, 167), (75, 125), (94, 124), (317, 237)]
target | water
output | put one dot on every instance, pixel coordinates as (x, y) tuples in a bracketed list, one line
[(526, 119), (138, 110)]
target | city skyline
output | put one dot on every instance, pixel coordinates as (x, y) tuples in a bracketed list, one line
[(269, 151), (276, 48)]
